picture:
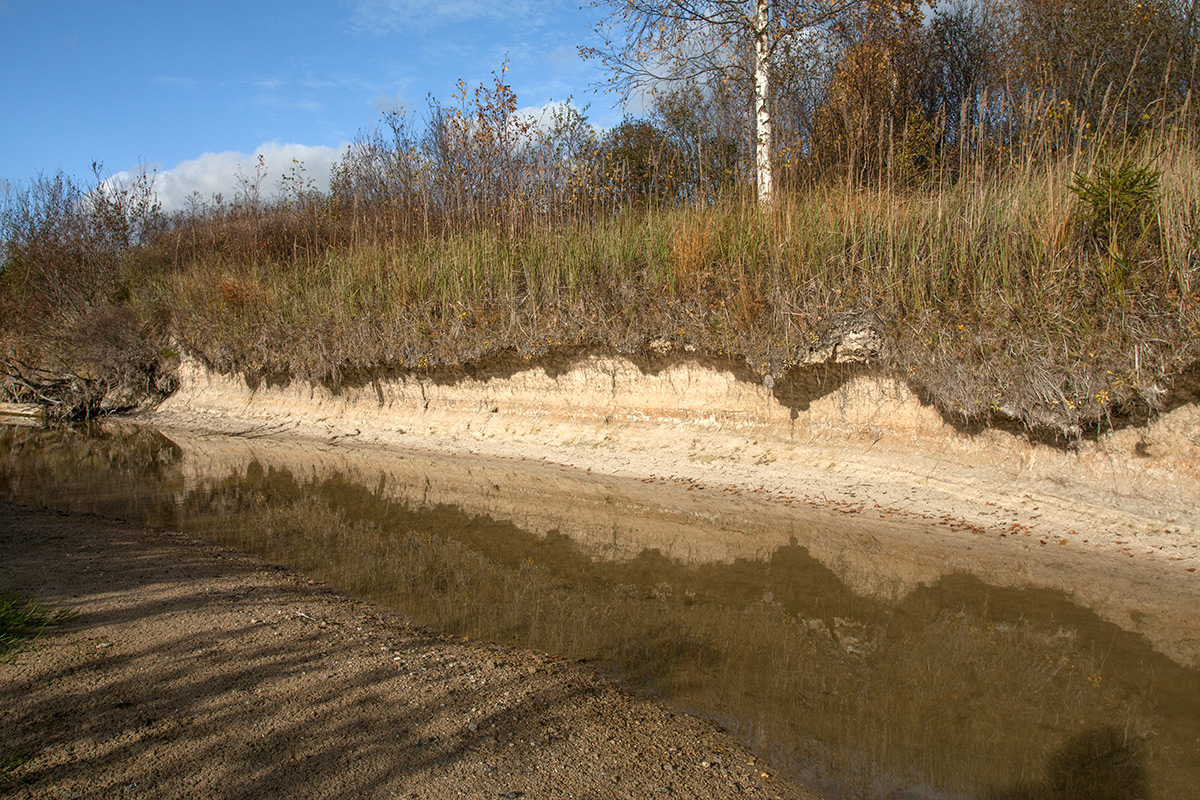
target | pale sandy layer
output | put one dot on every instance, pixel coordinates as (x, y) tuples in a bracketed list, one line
[(868, 440), (1112, 523)]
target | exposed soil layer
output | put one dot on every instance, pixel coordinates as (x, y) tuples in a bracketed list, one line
[(193, 670), (853, 439)]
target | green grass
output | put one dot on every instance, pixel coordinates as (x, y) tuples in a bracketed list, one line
[(9, 765), (22, 620)]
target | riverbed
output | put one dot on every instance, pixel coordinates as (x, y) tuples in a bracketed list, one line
[(862, 651)]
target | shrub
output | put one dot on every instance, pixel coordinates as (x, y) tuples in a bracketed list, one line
[(1119, 203)]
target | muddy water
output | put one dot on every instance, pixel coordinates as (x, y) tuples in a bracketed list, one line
[(867, 658)]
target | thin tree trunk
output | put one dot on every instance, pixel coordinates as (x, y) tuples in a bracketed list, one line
[(762, 114)]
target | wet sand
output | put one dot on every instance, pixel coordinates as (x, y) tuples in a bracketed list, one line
[(192, 670)]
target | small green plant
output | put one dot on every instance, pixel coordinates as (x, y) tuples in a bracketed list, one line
[(22, 619), (1119, 203), (9, 764)]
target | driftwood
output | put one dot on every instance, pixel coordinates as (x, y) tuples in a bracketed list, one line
[(64, 396)]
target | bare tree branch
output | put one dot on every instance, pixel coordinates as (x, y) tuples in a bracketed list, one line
[(648, 42)]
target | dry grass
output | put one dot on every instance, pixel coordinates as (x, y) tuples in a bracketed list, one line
[(990, 293), (987, 277)]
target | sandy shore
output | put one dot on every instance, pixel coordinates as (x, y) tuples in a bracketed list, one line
[(195, 671), (834, 438)]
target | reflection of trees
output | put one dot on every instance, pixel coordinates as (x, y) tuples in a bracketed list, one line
[(1099, 764), (958, 685), (124, 471)]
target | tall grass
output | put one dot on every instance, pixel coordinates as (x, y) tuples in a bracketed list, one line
[(992, 289), (984, 267)]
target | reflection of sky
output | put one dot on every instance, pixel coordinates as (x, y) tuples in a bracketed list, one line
[(169, 85)]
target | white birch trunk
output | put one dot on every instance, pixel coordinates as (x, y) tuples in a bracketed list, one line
[(762, 92)]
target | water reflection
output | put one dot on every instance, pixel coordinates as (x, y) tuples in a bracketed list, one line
[(866, 673)]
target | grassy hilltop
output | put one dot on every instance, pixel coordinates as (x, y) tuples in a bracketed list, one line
[(1022, 250)]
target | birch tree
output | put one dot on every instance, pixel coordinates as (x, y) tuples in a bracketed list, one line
[(650, 42)]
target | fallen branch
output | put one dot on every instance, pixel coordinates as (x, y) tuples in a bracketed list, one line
[(63, 396)]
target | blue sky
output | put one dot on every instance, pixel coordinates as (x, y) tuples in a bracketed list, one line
[(195, 91)]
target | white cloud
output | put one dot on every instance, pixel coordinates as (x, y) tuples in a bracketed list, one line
[(386, 104), (176, 81), (543, 116), (387, 16), (226, 173)]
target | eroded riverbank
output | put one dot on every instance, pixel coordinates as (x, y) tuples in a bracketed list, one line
[(835, 434)]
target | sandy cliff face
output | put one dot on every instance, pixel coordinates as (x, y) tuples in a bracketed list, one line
[(859, 447), (831, 433)]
